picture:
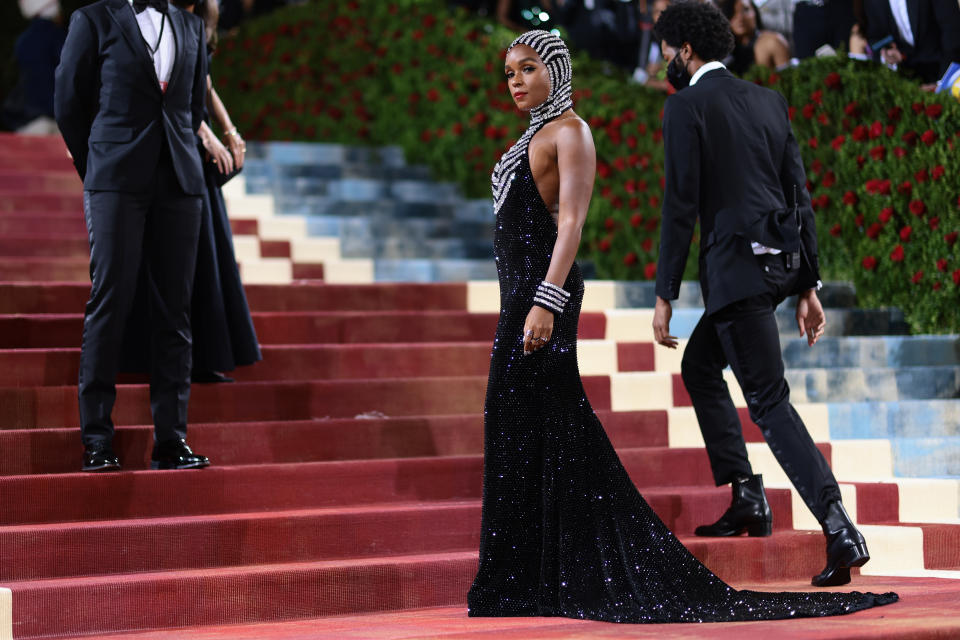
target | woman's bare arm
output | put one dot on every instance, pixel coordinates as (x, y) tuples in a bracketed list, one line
[(220, 114)]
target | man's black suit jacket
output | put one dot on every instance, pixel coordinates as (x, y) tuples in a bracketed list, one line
[(731, 160), (936, 34), (109, 105)]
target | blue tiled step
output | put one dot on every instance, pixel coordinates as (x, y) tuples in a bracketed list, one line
[(881, 384), (423, 270), (840, 322), (883, 351)]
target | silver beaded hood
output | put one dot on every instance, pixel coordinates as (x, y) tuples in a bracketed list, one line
[(555, 55)]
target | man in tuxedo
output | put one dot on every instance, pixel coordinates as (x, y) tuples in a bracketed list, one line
[(128, 100), (731, 160), (926, 34)]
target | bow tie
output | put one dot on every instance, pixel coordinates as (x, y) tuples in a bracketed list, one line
[(140, 5)]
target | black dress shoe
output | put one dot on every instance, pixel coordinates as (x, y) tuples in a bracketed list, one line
[(845, 547), (175, 454), (100, 457), (748, 512), (209, 377)]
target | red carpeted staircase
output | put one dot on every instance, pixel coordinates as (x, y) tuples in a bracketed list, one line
[(346, 469)]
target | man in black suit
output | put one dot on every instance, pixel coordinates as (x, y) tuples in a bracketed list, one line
[(128, 100), (731, 160), (926, 34)]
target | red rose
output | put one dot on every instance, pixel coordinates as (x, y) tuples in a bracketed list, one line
[(620, 163), (929, 137), (817, 96), (791, 112), (835, 230), (894, 114), (872, 186), (616, 202), (630, 259), (905, 233), (773, 78), (910, 138), (934, 223), (852, 109), (456, 129), (942, 265), (632, 142), (897, 254), (813, 143), (860, 161), (833, 81), (816, 166), (824, 201), (938, 172), (878, 153), (647, 245), (828, 179), (917, 207), (869, 263), (610, 224), (885, 215), (917, 107), (838, 142), (934, 110), (860, 133), (899, 151), (850, 198), (874, 230), (950, 238), (937, 286), (603, 170), (823, 118), (921, 175), (604, 245), (858, 220), (425, 135), (633, 203), (630, 186), (876, 129), (654, 202), (808, 110), (641, 186), (890, 130), (885, 187), (956, 277), (905, 188), (433, 95), (917, 277), (650, 271)]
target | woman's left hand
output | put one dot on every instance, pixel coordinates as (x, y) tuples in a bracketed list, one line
[(237, 148), (537, 330)]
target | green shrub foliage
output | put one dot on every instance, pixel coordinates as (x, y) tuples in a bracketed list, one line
[(880, 155)]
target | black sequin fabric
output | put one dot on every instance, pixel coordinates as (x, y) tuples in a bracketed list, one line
[(564, 530)]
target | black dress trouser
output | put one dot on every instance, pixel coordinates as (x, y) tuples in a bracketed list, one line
[(745, 336), (155, 231)]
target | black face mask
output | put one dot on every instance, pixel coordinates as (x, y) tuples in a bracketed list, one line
[(677, 74)]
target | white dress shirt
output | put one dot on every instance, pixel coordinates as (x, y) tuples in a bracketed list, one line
[(902, 17), (758, 249), (150, 21)]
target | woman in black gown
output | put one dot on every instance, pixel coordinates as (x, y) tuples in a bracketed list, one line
[(564, 530)]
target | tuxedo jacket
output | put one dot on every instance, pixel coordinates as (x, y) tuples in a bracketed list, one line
[(110, 108), (732, 161), (936, 34)]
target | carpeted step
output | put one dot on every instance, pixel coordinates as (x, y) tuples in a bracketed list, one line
[(299, 296), (49, 331), (304, 535), (225, 489), (24, 201), (25, 269), (74, 245), (29, 223), (248, 443), (37, 162), (59, 182), (15, 143), (69, 606)]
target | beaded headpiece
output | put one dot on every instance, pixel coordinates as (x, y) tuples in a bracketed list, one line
[(556, 57)]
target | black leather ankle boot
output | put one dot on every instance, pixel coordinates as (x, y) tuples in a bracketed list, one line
[(749, 511), (845, 547)]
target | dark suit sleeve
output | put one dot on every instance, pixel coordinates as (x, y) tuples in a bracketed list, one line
[(793, 181), (199, 97), (75, 86), (947, 14), (681, 196)]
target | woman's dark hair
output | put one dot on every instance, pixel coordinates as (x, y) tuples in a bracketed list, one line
[(729, 7), (209, 10), (699, 23)]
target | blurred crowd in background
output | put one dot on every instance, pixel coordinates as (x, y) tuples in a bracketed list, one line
[(918, 38)]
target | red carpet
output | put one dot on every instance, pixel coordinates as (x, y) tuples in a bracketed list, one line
[(345, 491)]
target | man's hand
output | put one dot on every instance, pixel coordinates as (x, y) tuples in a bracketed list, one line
[(810, 317), (537, 330), (891, 55), (662, 313)]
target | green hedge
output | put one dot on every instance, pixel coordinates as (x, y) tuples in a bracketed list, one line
[(412, 74)]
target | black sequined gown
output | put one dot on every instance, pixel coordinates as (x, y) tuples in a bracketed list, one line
[(564, 530)]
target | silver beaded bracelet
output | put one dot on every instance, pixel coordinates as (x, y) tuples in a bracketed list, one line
[(551, 297)]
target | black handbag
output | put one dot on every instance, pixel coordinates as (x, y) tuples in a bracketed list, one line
[(218, 177)]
